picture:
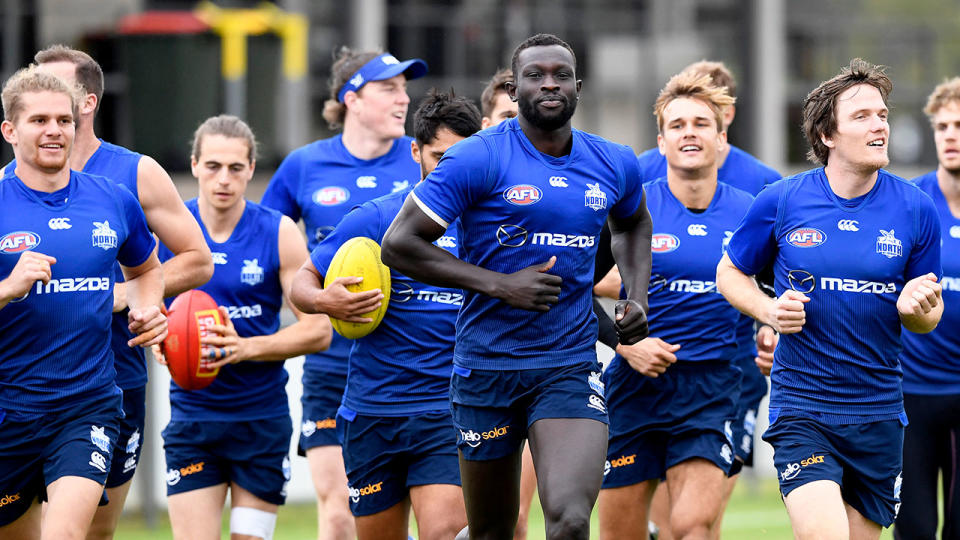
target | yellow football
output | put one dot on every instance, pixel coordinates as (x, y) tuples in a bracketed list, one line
[(360, 257)]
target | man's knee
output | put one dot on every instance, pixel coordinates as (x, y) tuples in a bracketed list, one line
[(569, 524)]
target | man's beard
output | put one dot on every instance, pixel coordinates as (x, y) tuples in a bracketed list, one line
[(547, 123)]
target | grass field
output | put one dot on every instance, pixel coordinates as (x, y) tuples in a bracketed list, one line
[(755, 512)]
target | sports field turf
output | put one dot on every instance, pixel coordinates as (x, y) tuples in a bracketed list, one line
[(753, 513)]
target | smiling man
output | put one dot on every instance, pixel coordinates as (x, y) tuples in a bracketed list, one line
[(532, 194), (855, 253)]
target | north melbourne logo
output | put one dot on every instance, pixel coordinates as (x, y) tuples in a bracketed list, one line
[(251, 273), (888, 245), (99, 438), (594, 197), (103, 236)]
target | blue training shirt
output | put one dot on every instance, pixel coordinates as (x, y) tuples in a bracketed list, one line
[(742, 171), (55, 342), (320, 182), (246, 280), (931, 362), (403, 367), (685, 307), (851, 258), (517, 208)]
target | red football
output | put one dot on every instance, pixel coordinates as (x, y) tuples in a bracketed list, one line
[(190, 314)]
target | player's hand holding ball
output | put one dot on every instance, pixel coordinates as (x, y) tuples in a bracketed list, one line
[(223, 342), (149, 324), (339, 302), (631, 321), (650, 356), (920, 295), (788, 315), (31, 267), (531, 288)]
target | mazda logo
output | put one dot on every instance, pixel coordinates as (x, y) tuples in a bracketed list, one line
[(657, 283), (400, 292), (801, 281), (322, 232), (511, 235)]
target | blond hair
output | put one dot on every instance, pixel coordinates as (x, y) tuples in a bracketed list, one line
[(32, 80), (945, 92), (693, 85)]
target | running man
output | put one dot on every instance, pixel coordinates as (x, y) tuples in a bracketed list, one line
[(60, 238), (399, 445), (855, 254), (319, 183), (234, 435), (532, 195), (673, 401), (169, 219), (743, 171), (931, 362)]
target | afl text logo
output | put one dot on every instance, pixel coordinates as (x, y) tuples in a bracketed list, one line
[(20, 241), (801, 281), (664, 243), (697, 229), (848, 225), (558, 181), (511, 235), (331, 196), (522, 195), (806, 237), (59, 224)]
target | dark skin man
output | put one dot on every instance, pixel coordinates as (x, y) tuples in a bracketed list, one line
[(569, 453)]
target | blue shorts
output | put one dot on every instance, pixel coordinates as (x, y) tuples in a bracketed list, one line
[(251, 453), (37, 449), (753, 387), (865, 460), (386, 456), (127, 455), (492, 410), (657, 423), (322, 393)]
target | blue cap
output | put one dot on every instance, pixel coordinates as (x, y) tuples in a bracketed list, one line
[(381, 68)]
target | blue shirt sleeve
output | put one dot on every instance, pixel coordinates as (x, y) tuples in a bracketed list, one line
[(462, 178), (925, 253), (653, 165), (281, 193), (363, 220), (632, 187), (138, 246), (754, 243)]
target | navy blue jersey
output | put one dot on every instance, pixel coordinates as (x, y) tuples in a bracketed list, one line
[(931, 362), (685, 307), (320, 182), (246, 280), (403, 367), (518, 207), (121, 165), (740, 170), (55, 341), (851, 258)]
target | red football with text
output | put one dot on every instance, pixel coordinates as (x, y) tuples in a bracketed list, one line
[(188, 319)]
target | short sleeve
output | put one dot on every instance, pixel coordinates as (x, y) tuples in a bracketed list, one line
[(282, 189), (754, 244), (461, 179), (652, 164), (363, 220), (925, 254), (138, 246), (632, 188)]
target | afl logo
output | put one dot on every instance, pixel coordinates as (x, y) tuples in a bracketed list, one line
[(664, 243), (20, 241), (522, 195), (331, 196), (806, 237)]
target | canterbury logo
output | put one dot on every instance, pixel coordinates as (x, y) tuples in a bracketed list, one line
[(848, 225), (60, 223), (558, 181), (697, 229)]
